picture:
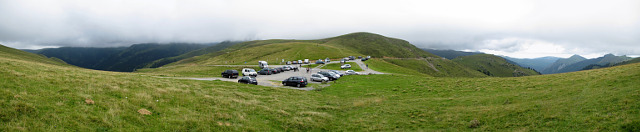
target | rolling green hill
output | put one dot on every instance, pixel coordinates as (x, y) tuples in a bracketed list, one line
[(272, 53), (376, 45), (37, 94), (494, 66), (354, 44), (18, 55)]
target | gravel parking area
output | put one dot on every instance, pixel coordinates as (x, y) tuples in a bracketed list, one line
[(275, 80)]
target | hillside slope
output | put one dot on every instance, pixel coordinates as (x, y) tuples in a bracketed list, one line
[(15, 54), (492, 65), (210, 49), (376, 45), (38, 96), (562, 63), (124, 59), (354, 44), (436, 67)]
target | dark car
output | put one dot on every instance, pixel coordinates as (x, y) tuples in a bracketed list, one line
[(295, 81), (319, 62), (352, 58), (273, 71), (359, 57), (264, 71), (364, 59), (248, 80), (230, 74), (331, 76)]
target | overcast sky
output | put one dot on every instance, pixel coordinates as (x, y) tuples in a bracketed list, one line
[(516, 28)]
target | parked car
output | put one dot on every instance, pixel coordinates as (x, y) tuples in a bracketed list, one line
[(337, 72), (299, 61), (351, 72), (273, 71), (248, 80), (364, 59), (345, 66), (294, 62), (293, 67), (279, 69), (359, 57), (319, 78), (249, 72), (345, 58), (295, 81), (286, 68), (306, 61), (368, 57), (319, 62), (329, 75), (288, 62), (230, 74), (327, 60), (264, 72), (352, 58)]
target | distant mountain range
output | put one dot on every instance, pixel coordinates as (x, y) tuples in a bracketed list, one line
[(548, 65), (537, 64), (124, 59), (577, 66)]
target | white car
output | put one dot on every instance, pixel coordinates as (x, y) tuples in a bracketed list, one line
[(351, 72), (345, 66), (249, 72), (319, 78)]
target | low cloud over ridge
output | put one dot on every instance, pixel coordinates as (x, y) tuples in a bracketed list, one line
[(522, 28)]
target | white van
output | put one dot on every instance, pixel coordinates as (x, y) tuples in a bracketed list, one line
[(263, 64), (306, 61), (249, 72)]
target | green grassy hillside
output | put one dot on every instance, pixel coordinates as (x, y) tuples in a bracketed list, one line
[(437, 67), (494, 66), (273, 54), (39, 96), (377, 45), (15, 54)]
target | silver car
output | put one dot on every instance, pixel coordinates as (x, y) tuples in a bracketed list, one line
[(319, 78), (351, 72)]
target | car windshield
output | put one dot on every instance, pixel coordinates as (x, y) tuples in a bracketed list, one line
[(251, 70)]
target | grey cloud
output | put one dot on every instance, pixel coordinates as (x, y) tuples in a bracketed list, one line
[(592, 27)]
